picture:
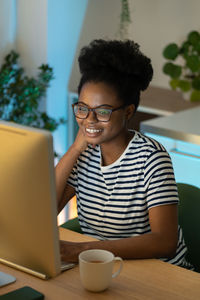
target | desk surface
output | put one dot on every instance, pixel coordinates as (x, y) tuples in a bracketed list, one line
[(140, 279)]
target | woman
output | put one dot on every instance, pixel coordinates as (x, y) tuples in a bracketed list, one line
[(124, 181)]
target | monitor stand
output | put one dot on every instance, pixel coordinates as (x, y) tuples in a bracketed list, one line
[(6, 279)]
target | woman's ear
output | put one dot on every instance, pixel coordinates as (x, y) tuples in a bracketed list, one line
[(130, 109)]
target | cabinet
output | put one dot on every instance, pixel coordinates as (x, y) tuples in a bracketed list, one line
[(185, 158), (180, 135)]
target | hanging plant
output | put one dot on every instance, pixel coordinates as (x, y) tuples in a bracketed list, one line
[(125, 20)]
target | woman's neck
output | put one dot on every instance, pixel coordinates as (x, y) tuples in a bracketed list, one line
[(112, 150)]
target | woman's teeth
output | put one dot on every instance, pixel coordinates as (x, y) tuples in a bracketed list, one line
[(92, 130)]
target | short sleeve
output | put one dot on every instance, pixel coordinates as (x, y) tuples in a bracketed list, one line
[(159, 180)]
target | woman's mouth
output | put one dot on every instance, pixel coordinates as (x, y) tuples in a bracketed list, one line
[(93, 131)]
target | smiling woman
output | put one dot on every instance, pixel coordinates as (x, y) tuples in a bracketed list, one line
[(99, 127), (123, 180)]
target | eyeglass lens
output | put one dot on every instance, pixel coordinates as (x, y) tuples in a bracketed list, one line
[(102, 114)]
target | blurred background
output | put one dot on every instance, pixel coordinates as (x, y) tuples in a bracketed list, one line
[(53, 31)]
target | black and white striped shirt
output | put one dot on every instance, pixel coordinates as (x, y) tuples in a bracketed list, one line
[(113, 201)]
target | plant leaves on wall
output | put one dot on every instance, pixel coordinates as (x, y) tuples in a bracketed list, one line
[(21, 96)]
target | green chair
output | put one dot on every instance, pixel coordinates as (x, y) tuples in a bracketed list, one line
[(73, 225), (189, 220)]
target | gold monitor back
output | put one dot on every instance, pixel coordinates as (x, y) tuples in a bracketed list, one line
[(28, 212)]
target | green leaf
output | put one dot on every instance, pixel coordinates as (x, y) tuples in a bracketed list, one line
[(174, 83), (171, 51), (196, 83), (184, 85), (197, 47), (174, 71), (195, 96), (193, 37), (193, 63), (185, 49)]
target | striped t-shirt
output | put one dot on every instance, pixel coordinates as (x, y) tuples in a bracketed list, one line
[(113, 201)]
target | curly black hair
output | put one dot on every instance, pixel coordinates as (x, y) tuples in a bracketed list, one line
[(117, 63)]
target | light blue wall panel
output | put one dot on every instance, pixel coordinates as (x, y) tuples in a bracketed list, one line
[(65, 19)]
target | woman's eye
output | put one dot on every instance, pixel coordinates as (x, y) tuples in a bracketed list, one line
[(103, 111), (82, 108)]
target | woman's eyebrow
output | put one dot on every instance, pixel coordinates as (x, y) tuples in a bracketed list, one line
[(81, 102)]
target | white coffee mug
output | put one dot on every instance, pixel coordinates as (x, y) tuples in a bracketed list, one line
[(96, 269)]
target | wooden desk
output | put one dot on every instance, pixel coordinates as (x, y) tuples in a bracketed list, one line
[(140, 279)]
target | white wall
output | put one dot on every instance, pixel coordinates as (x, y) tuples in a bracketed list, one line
[(159, 22), (7, 27), (31, 34), (101, 21), (155, 23)]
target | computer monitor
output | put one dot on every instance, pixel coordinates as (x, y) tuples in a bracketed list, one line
[(29, 237)]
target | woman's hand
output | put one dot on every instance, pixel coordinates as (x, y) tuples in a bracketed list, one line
[(70, 251), (80, 143)]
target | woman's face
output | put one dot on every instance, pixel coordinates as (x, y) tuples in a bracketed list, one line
[(98, 94)]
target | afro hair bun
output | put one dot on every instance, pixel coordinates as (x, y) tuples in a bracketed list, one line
[(123, 59)]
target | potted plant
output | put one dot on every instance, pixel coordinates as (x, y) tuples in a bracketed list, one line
[(20, 95), (183, 65)]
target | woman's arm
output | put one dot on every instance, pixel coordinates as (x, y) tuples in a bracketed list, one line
[(160, 242), (63, 169)]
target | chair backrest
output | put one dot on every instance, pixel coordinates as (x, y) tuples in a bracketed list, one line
[(189, 220)]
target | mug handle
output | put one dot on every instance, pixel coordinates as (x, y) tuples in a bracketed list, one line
[(120, 267)]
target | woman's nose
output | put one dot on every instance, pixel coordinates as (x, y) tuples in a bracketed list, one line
[(92, 116)]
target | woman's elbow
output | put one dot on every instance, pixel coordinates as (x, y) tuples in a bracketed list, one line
[(165, 245), (169, 248)]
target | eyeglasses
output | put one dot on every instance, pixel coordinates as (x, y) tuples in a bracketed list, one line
[(102, 114)]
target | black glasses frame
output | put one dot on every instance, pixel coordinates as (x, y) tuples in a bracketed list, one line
[(94, 111)]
